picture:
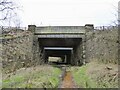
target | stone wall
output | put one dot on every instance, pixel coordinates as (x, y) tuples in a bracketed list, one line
[(78, 54), (20, 50), (102, 45)]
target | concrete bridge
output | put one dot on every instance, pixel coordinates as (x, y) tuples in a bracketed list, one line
[(67, 42)]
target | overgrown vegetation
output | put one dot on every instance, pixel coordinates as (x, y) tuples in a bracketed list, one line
[(34, 77), (81, 78), (102, 45), (96, 75)]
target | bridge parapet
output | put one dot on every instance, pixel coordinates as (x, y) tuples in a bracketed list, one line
[(60, 30)]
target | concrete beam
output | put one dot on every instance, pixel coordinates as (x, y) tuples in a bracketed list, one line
[(57, 48), (61, 36), (60, 29)]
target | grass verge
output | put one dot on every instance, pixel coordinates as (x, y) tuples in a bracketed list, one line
[(81, 78), (96, 75), (37, 77)]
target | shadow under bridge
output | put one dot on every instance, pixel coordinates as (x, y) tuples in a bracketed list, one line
[(63, 48)]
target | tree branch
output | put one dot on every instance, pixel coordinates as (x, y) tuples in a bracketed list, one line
[(6, 7)]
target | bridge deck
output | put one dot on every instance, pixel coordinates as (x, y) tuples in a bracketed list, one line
[(60, 32), (61, 36), (60, 29)]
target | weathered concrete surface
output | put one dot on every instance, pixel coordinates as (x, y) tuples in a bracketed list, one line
[(59, 29), (78, 54)]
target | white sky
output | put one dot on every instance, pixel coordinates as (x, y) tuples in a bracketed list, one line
[(68, 12)]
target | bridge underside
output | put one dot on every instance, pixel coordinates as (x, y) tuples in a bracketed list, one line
[(59, 42), (65, 48)]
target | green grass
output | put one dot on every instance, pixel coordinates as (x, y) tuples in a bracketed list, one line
[(81, 78), (95, 75), (47, 77)]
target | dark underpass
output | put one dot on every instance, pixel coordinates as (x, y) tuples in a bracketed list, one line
[(65, 48), (64, 53)]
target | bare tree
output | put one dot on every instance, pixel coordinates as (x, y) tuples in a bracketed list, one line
[(119, 13), (116, 14), (8, 10)]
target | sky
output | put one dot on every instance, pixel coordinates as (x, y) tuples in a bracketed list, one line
[(68, 12)]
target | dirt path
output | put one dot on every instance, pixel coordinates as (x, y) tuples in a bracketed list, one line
[(68, 81)]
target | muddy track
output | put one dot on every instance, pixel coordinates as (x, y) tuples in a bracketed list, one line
[(66, 78)]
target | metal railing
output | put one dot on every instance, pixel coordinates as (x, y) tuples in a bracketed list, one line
[(106, 27)]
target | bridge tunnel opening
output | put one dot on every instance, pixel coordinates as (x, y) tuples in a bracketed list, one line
[(64, 55), (68, 50)]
